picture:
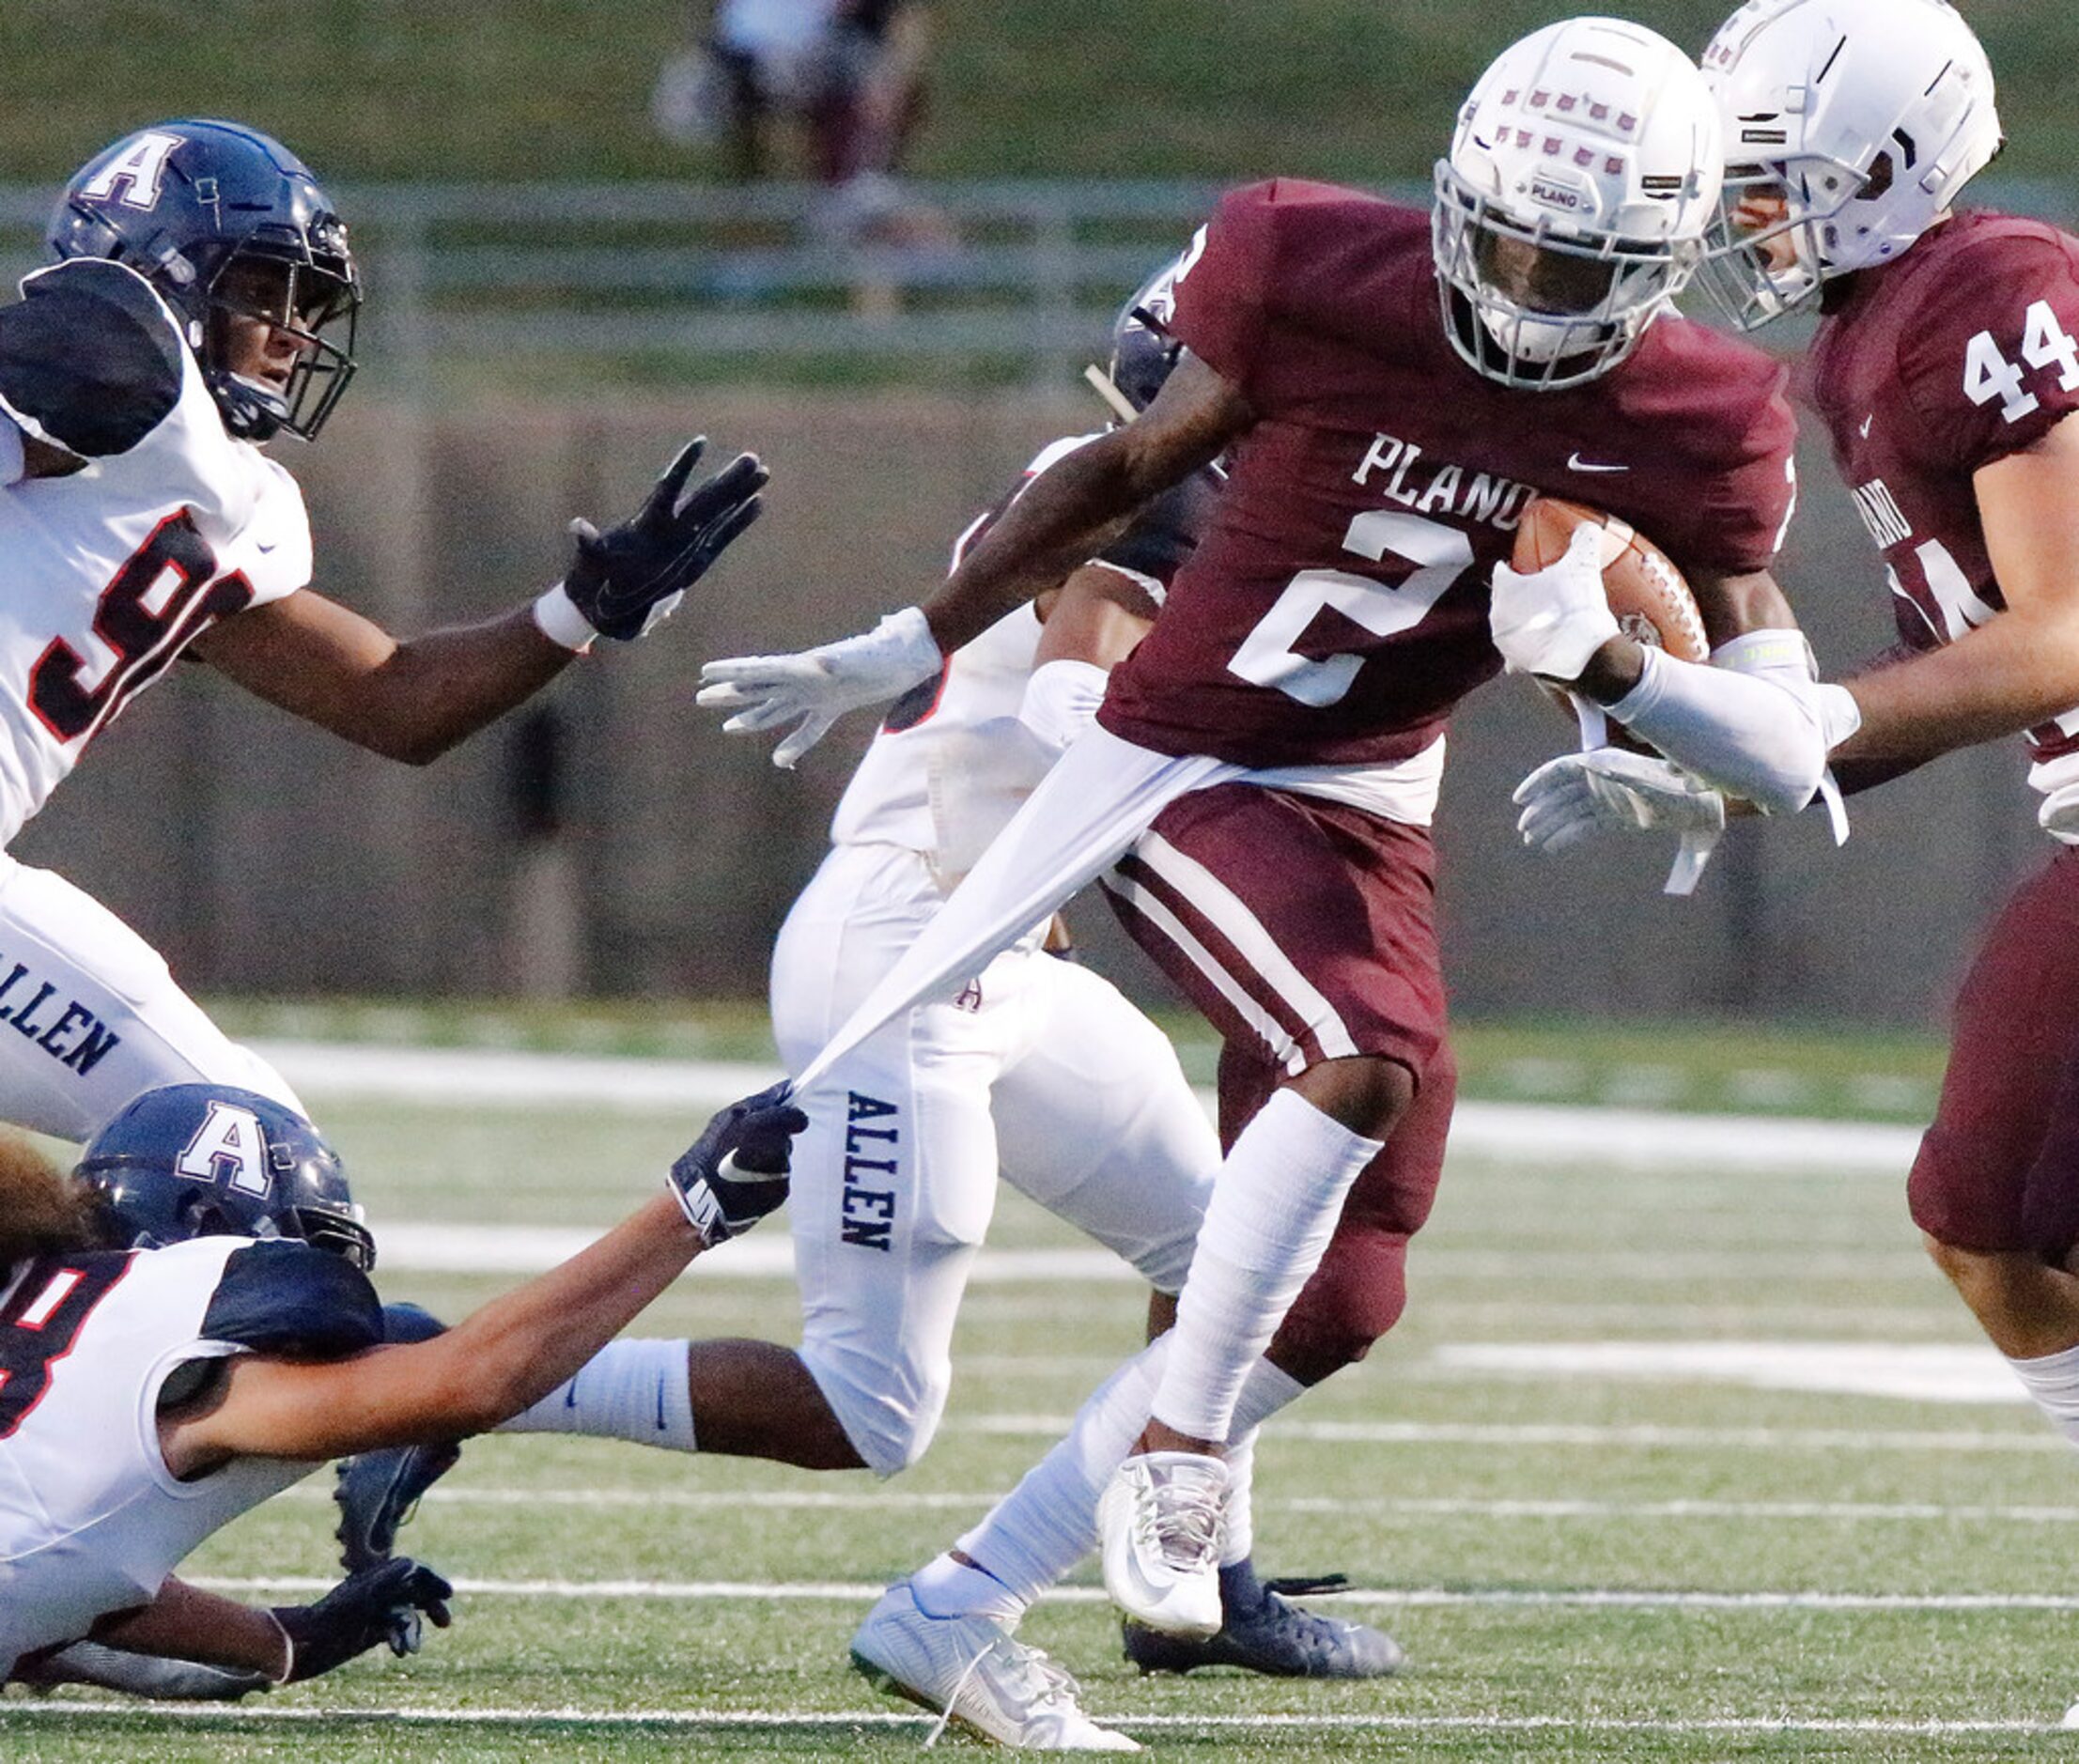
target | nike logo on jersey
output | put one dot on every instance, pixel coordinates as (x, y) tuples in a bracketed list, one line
[(1866, 423), (1576, 463)]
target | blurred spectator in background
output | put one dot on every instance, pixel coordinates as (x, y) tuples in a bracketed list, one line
[(845, 75)]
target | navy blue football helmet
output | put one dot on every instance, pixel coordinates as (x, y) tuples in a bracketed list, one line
[(1142, 349), (225, 223), (210, 1160)]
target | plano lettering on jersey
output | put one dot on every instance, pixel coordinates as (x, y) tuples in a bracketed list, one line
[(871, 1142), (1881, 515), (71, 1032), (1436, 486)]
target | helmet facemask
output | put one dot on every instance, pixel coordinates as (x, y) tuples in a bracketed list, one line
[(298, 296), (1536, 306)]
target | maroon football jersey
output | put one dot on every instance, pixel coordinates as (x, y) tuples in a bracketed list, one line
[(1955, 356), (1337, 605)]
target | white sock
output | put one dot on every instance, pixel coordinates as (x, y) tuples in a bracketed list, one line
[(944, 1588), (1264, 1391), (1048, 1523), (2053, 1380), (1274, 1208), (631, 1390)]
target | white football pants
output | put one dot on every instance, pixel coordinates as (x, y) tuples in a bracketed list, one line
[(1037, 1069), (95, 1015)]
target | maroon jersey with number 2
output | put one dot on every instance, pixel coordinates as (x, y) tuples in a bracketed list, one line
[(1337, 606)]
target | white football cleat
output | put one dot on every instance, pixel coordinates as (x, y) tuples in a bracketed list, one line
[(970, 1671), (1160, 1519)]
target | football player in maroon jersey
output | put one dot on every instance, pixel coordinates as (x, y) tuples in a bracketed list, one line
[(1947, 371), (1264, 766)]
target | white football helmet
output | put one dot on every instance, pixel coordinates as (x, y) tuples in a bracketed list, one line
[(1850, 126), (1573, 206)]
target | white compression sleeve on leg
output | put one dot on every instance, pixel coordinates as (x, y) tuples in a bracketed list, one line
[(1266, 1389), (1273, 1207), (1758, 737), (2053, 1381), (631, 1390), (1048, 1523)]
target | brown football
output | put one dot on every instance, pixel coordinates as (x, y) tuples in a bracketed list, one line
[(1646, 591)]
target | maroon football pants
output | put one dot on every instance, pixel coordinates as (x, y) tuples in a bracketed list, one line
[(1306, 931), (2000, 1168)]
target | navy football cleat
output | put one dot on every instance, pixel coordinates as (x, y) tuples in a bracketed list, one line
[(377, 1491), (1261, 1633)]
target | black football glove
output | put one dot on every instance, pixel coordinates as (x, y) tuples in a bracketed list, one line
[(628, 578), (736, 1171), (380, 1606)]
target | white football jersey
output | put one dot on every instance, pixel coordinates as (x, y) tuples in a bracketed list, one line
[(952, 762), (107, 574), (91, 1520)]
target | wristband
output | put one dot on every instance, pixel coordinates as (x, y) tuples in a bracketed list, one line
[(557, 618)]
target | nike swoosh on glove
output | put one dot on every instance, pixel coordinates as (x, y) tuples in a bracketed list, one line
[(736, 1171)]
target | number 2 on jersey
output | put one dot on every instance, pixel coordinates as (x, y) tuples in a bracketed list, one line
[(1440, 555), (145, 619)]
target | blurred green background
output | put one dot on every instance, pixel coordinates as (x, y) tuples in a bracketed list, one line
[(1355, 89)]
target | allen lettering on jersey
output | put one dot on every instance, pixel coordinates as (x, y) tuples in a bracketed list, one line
[(872, 1139), (1437, 486), (71, 1032)]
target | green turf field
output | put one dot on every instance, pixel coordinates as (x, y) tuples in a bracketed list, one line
[(1615, 1566)]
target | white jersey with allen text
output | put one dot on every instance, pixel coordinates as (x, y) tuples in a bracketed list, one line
[(91, 1520), (106, 574)]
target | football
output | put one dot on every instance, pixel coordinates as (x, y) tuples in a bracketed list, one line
[(1646, 591)]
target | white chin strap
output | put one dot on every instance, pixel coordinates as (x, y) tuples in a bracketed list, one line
[(1540, 341)]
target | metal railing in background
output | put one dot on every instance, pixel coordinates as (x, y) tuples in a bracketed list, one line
[(1027, 276)]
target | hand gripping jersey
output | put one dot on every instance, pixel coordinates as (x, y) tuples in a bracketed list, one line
[(1963, 352), (91, 1521), (1336, 606), (952, 762), (107, 574)]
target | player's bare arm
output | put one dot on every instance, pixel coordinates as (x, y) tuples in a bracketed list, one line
[(2021, 669), (409, 700), (1096, 616), (1063, 516), (1058, 522), (512, 1352)]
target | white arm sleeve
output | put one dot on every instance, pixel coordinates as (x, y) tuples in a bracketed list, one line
[(1762, 737), (1061, 701)]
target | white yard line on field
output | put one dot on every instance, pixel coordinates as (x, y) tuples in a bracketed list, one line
[(759, 1719), (1557, 1598), (1519, 1132), (1544, 1434), (799, 1500)]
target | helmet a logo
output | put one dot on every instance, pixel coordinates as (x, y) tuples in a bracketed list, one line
[(228, 1147), (139, 169)]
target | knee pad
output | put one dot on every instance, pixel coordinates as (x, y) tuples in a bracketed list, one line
[(891, 1427)]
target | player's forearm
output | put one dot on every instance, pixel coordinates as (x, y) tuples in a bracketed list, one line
[(1061, 518), (2015, 672), (436, 690), (186, 1623), (497, 1361)]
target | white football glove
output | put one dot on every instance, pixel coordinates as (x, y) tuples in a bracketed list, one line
[(1551, 620), (1577, 796), (814, 689)]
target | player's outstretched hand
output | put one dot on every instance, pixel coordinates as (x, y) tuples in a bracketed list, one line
[(379, 1606), (626, 581), (1577, 796), (736, 1171), (814, 689), (1549, 622)]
